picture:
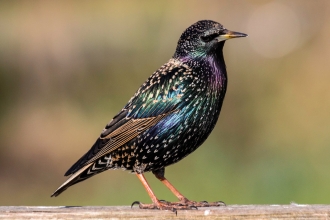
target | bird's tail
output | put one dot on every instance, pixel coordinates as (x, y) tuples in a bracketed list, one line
[(77, 177)]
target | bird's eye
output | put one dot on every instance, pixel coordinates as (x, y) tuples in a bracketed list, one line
[(208, 38)]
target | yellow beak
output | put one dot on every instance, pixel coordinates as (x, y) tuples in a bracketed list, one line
[(230, 34)]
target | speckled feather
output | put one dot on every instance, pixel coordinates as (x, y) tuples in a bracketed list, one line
[(169, 116)]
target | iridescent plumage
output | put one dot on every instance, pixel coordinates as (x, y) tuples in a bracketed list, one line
[(169, 116)]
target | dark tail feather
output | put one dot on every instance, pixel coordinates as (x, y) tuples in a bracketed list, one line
[(77, 177), (99, 143), (74, 167)]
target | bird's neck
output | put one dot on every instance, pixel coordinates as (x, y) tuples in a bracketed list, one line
[(211, 65)]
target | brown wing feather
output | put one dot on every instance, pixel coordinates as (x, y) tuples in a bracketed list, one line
[(126, 133), (128, 130)]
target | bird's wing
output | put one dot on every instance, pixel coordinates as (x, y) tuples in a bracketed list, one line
[(157, 98)]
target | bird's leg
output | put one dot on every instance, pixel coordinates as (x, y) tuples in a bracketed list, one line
[(156, 204), (160, 174)]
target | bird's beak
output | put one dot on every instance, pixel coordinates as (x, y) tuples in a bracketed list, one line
[(229, 35)]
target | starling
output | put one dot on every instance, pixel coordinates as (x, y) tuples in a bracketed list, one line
[(168, 117)]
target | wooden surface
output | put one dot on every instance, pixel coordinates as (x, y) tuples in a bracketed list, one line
[(293, 211)]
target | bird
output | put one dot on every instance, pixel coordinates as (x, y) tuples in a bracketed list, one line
[(169, 116)]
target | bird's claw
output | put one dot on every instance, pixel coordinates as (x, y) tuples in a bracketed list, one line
[(165, 205), (202, 203), (194, 207), (174, 206), (135, 203), (220, 203)]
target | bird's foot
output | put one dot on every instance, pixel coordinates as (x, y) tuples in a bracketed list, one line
[(189, 203), (163, 205)]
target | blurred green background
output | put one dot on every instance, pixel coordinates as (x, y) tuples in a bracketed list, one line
[(67, 67)]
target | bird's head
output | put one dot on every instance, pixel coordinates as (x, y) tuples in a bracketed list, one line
[(203, 38)]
